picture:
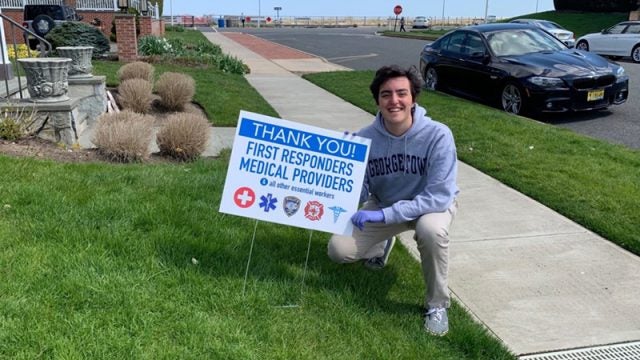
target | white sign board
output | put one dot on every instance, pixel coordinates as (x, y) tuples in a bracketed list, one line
[(294, 174)]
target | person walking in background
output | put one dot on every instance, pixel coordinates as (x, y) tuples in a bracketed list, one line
[(410, 184), (402, 25)]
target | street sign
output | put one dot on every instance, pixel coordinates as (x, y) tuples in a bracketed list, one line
[(397, 10), (269, 19)]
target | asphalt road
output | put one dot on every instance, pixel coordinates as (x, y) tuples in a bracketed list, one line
[(361, 49)]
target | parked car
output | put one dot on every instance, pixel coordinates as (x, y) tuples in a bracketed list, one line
[(521, 68), (420, 22), (553, 28), (622, 39), (42, 18)]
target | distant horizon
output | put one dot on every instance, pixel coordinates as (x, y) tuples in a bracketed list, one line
[(358, 8)]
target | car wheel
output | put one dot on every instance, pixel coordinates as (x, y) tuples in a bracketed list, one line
[(511, 99), (42, 24), (431, 79), (635, 53), (582, 45)]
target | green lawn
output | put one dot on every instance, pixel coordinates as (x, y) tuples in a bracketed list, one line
[(98, 263)]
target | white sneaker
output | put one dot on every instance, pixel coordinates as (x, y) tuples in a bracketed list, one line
[(436, 321)]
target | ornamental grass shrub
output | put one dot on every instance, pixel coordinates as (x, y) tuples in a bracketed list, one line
[(184, 136), (124, 136), (136, 70), (175, 90), (17, 124), (136, 95)]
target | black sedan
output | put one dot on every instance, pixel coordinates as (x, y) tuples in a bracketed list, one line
[(522, 69)]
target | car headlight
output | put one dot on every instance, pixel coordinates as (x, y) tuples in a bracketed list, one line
[(544, 81), (620, 71)]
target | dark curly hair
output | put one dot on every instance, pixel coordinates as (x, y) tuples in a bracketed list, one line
[(393, 71)]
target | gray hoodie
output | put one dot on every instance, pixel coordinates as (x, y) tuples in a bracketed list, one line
[(413, 174)]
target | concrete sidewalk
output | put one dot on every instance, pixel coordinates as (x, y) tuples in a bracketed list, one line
[(537, 280)]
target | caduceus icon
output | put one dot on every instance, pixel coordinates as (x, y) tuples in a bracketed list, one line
[(337, 210)]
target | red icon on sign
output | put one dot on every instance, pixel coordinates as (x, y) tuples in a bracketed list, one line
[(314, 210), (244, 197)]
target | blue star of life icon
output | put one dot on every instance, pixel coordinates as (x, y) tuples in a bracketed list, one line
[(268, 202)]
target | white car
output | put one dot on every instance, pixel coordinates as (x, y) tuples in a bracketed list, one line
[(554, 29), (420, 22), (622, 39)]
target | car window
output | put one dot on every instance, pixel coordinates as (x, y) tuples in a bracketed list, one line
[(633, 29), (522, 41), (616, 29), (474, 45), (454, 45)]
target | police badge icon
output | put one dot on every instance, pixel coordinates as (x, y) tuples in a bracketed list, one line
[(291, 205)]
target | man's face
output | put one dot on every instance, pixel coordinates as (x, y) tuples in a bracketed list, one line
[(395, 102)]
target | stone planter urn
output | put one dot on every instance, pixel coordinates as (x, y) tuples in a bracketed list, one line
[(80, 60), (47, 78)]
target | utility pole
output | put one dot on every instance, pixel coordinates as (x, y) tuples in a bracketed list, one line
[(486, 10)]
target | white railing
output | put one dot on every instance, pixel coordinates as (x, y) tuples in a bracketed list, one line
[(96, 5)]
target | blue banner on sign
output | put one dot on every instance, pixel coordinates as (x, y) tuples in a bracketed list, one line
[(302, 140)]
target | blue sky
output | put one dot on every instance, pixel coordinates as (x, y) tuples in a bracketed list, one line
[(429, 8)]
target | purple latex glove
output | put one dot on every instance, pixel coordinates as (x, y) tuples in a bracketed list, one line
[(362, 216)]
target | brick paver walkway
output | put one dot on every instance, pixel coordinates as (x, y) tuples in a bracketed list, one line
[(267, 49)]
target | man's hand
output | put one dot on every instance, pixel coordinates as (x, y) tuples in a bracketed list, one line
[(362, 216)]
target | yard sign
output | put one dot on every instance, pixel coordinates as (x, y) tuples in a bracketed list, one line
[(294, 174)]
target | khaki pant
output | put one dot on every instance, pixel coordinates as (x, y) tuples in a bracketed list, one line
[(431, 235)]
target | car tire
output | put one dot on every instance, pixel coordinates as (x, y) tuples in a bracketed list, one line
[(512, 99), (582, 45), (431, 78), (42, 24), (635, 54)]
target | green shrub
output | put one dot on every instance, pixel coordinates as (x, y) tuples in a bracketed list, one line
[(136, 70), (75, 33), (11, 129), (184, 136), (124, 136), (175, 90), (207, 48), (174, 28), (231, 64), (16, 124), (152, 45), (136, 95)]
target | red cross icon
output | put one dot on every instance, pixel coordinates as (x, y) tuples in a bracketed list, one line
[(244, 197)]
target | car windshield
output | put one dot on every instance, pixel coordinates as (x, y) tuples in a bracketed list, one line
[(53, 11), (551, 25), (522, 41)]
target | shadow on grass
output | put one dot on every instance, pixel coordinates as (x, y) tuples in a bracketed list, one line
[(278, 257)]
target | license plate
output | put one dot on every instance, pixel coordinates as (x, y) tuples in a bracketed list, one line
[(594, 95)]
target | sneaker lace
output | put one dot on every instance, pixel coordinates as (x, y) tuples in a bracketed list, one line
[(436, 313)]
